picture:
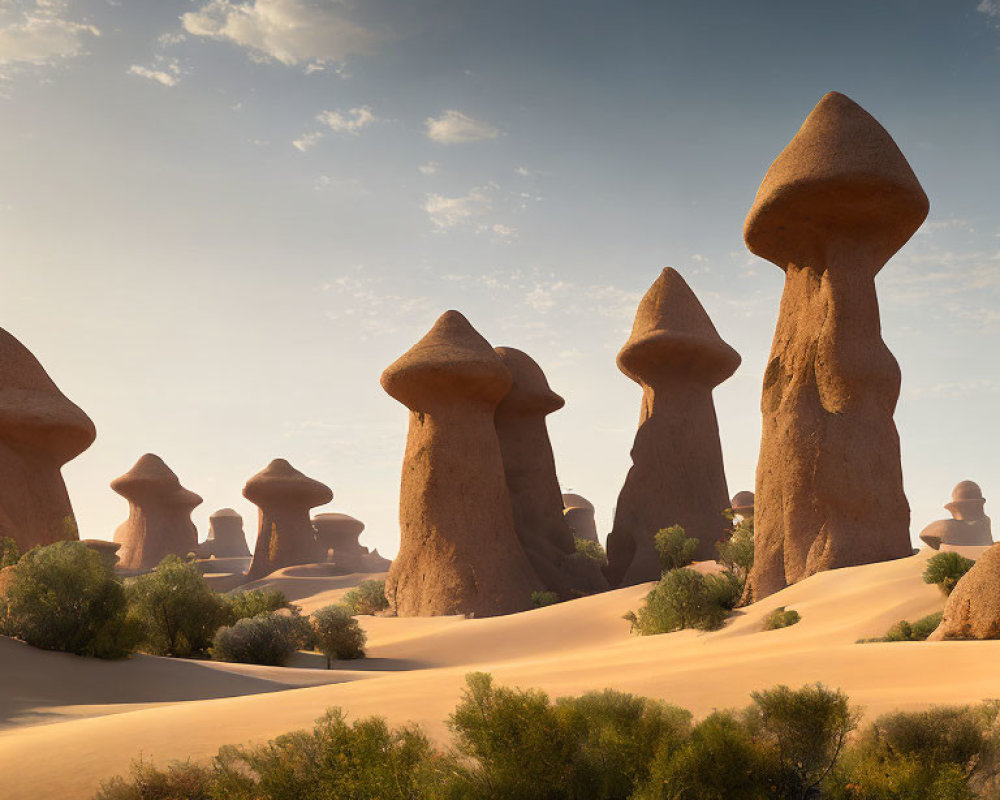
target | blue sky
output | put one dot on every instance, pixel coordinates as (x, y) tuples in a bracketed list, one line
[(220, 220)]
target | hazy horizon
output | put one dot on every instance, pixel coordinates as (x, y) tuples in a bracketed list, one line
[(222, 220)]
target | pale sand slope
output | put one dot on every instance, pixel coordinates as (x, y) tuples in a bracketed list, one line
[(565, 649), (312, 586)]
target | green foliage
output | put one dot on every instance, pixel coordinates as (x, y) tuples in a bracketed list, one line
[(180, 781), (175, 609), (724, 589), (268, 639), (681, 599), (337, 634), (918, 631), (368, 597), (588, 548), (65, 597), (946, 569), (540, 599), (736, 553), (10, 553), (253, 603), (675, 548), (781, 617)]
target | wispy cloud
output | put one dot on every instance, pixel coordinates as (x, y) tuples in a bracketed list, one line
[(168, 75), (292, 32), (307, 141), (429, 168), (450, 212), (38, 33), (352, 122), (991, 8), (454, 127)]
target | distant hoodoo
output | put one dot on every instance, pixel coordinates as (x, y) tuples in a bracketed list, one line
[(40, 430), (159, 515), (339, 533), (226, 538), (530, 471), (969, 526), (459, 552), (677, 477), (833, 208), (742, 504), (285, 535)]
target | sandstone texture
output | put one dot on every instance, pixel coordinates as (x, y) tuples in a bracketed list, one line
[(40, 430), (969, 526), (339, 533), (159, 515), (285, 535), (677, 477), (225, 538), (459, 552), (530, 471), (973, 608), (834, 206)]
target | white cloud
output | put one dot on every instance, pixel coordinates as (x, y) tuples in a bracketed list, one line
[(504, 231), (352, 122), (292, 32), (524, 172), (37, 33), (429, 168), (307, 141), (454, 127), (168, 75), (991, 8), (449, 212)]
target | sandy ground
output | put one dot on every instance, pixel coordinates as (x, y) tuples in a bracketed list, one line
[(71, 722)]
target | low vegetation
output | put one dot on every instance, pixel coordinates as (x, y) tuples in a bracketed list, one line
[(674, 547), (10, 553), (336, 634), (946, 570), (540, 599), (588, 548), (253, 603), (781, 618), (368, 597), (517, 744), (268, 639), (904, 631)]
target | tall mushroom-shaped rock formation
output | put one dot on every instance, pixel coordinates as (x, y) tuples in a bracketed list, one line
[(530, 471), (579, 513), (40, 430), (677, 477), (969, 526), (285, 535), (225, 538), (159, 515), (458, 552), (835, 205), (973, 608), (340, 532)]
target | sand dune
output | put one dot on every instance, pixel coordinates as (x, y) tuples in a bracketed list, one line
[(312, 586), (417, 668)]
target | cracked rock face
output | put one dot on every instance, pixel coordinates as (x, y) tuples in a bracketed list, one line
[(834, 206), (159, 519), (677, 476), (40, 430), (459, 552)]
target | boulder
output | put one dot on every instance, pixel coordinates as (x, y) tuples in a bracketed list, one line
[(972, 610), (677, 476), (834, 206)]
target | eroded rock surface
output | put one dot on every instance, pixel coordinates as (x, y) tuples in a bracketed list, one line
[(973, 608), (226, 538)]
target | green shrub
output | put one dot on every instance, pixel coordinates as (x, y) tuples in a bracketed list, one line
[(269, 639), (253, 603), (946, 569), (65, 597), (724, 589), (180, 781), (904, 631), (541, 599), (675, 548), (588, 548), (337, 634), (781, 617), (736, 553), (681, 599), (368, 597), (175, 609), (10, 553)]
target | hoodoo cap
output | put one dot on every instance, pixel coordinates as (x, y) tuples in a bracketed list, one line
[(33, 411), (571, 500), (842, 174), (966, 494), (340, 523), (152, 478), (281, 482), (225, 513), (673, 330), (451, 361), (530, 390), (742, 502)]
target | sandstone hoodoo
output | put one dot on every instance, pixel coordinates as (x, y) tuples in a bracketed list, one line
[(530, 471), (108, 551), (742, 504), (40, 430), (833, 208), (339, 533), (285, 535), (459, 553), (973, 607), (226, 538), (677, 477), (159, 515), (969, 526), (579, 513)]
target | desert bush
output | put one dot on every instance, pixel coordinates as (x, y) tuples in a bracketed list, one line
[(337, 634), (946, 570), (180, 781), (175, 609), (736, 553), (268, 639), (675, 548), (368, 597), (540, 599), (253, 603), (10, 553), (65, 597), (724, 589), (588, 548), (781, 617), (918, 631), (681, 599)]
